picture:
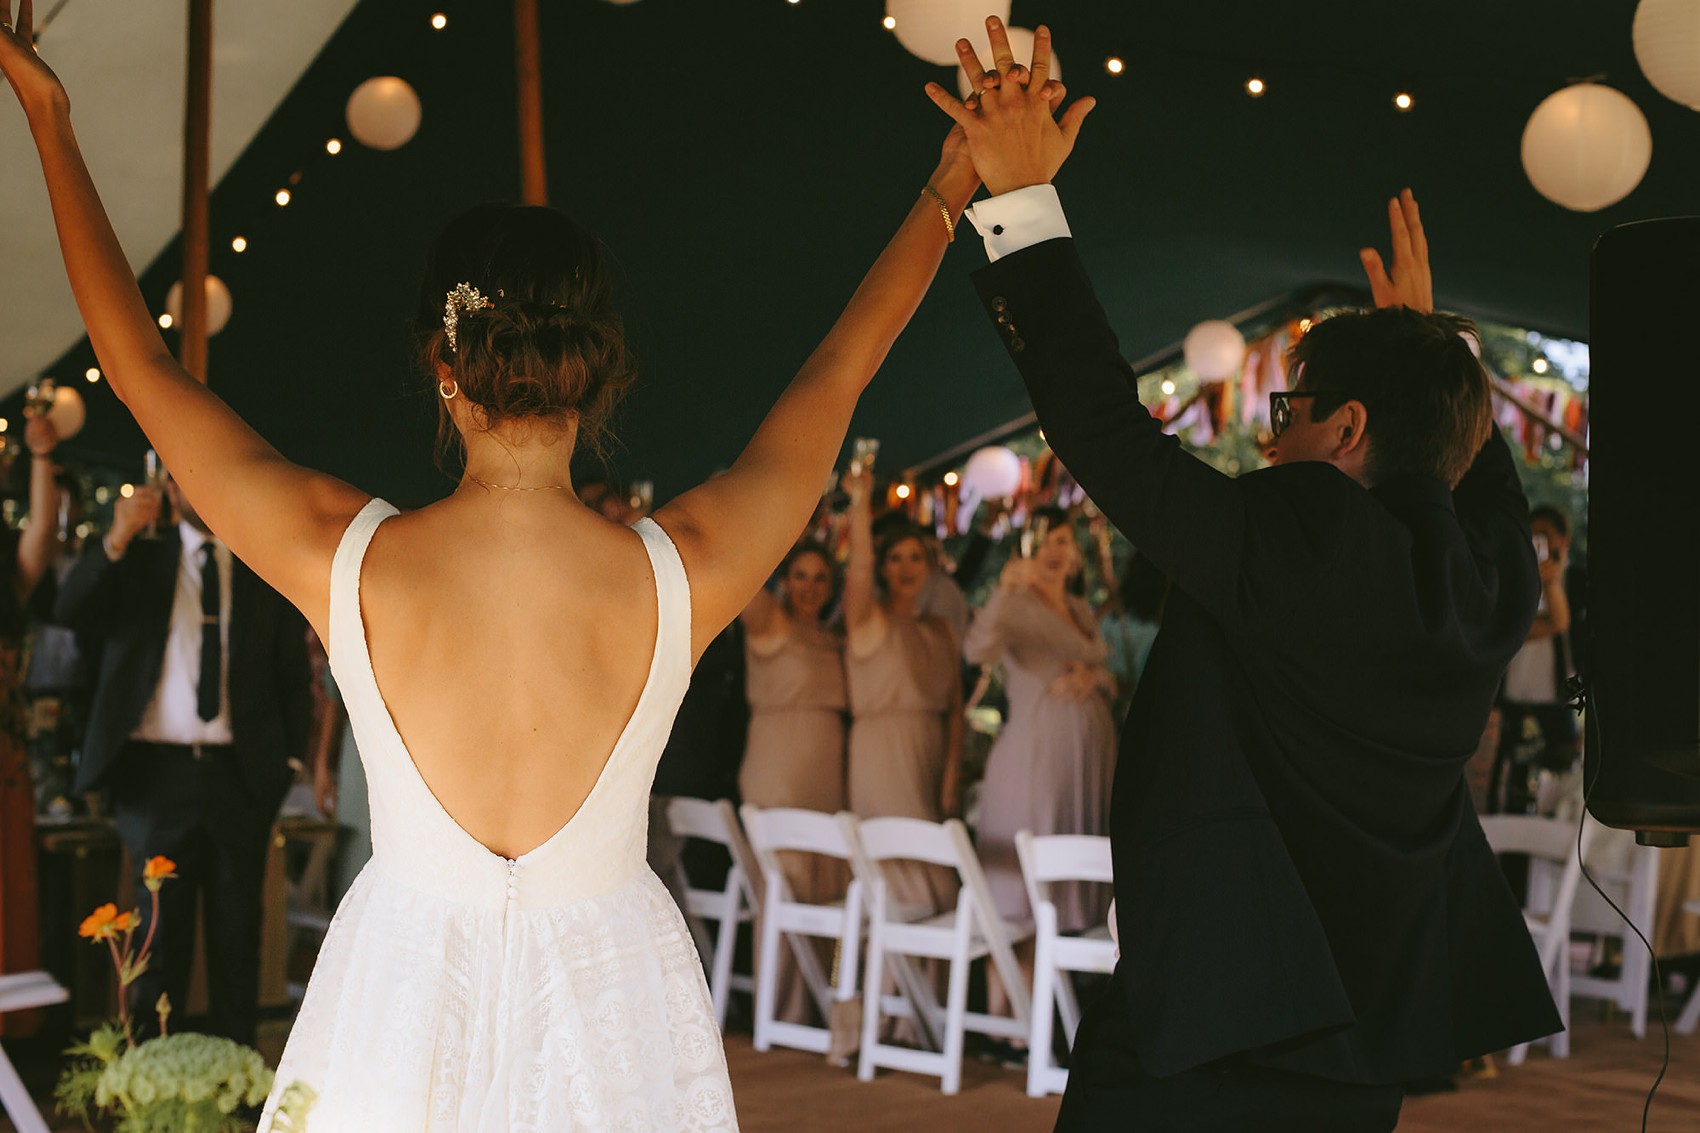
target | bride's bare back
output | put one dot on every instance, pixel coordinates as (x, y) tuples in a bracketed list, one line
[(511, 642)]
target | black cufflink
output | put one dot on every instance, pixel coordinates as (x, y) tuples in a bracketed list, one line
[(997, 230)]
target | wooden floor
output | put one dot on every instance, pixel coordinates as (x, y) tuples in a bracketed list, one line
[(1599, 1088)]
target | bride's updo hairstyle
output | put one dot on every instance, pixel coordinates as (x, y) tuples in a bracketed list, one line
[(549, 346)]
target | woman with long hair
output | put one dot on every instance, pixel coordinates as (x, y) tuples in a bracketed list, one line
[(794, 756), (906, 725), (1049, 770), (511, 660)]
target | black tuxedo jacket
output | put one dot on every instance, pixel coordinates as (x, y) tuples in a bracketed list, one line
[(126, 607), (1300, 876)]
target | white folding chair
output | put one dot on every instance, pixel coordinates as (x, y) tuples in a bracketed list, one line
[(961, 936), (777, 830), (1690, 1017), (1545, 840), (1634, 887), (19, 992), (729, 906), (1044, 860)]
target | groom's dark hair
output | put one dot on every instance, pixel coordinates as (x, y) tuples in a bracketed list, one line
[(1429, 404)]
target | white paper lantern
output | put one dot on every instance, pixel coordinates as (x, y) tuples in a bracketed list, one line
[(992, 473), (68, 412), (383, 112), (929, 29), (218, 304), (1667, 45), (1020, 46), (1214, 350), (1586, 146)]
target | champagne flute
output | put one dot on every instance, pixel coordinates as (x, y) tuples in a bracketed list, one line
[(641, 496), (862, 455), (1033, 535), (153, 476), (38, 401)]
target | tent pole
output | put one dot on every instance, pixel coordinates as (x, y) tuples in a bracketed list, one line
[(197, 145), (528, 65)]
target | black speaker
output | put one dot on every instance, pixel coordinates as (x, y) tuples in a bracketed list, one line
[(1643, 740)]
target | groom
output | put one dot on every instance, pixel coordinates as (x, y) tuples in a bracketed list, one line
[(1309, 913)]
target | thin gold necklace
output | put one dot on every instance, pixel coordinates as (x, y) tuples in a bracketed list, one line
[(515, 488)]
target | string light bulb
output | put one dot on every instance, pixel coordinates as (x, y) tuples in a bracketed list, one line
[(1168, 387), (951, 479), (127, 490), (165, 322), (889, 23), (439, 21), (282, 197), (1114, 65), (239, 245), (1402, 100), (1255, 87), (92, 373), (1540, 365), (903, 491), (334, 146)]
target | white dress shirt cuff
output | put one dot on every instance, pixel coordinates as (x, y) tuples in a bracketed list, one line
[(1019, 219)]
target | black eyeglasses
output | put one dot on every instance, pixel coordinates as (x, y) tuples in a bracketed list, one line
[(1281, 408)]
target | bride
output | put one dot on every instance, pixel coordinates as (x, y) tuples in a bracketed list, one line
[(511, 661)]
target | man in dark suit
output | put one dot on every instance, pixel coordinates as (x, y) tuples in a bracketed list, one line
[(201, 703), (1308, 911)]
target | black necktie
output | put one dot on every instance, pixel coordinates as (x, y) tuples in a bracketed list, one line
[(207, 697)]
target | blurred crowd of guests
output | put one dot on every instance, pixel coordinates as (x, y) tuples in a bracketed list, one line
[(850, 682)]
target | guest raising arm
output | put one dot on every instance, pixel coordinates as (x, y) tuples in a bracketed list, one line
[(38, 545)]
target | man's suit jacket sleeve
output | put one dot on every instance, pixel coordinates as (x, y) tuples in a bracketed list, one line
[(1241, 548), (1494, 514), (89, 595)]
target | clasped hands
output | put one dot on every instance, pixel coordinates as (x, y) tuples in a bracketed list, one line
[(1008, 124), (1010, 130)]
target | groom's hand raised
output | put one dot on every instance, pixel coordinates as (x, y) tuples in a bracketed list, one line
[(1009, 119)]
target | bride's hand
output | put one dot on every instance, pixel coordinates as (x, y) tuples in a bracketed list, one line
[(37, 87)]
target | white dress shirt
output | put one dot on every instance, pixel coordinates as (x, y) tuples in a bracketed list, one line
[(1018, 219), (173, 716)]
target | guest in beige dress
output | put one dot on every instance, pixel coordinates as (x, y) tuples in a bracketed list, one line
[(905, 697), (1051, 767), (794, 757)]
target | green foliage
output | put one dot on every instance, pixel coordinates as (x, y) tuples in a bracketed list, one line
[(183, 1083)]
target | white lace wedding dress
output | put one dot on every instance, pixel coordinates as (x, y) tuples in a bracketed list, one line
[(460, 990)]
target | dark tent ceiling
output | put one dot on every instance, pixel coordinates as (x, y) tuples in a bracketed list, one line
[(746, 160)]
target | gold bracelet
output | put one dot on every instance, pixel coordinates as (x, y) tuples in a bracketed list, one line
[(944, 211)]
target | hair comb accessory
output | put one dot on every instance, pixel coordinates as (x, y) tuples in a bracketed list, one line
[(464, 297)]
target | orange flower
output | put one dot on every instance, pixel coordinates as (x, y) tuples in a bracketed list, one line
[(158, 870), (126, 922), (99, 925)]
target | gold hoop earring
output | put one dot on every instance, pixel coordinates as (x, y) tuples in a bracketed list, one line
[(448, 390)]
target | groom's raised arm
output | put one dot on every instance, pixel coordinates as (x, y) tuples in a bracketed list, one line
[(1235, 547)]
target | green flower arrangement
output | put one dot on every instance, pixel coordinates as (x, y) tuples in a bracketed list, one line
[(182, 1083)]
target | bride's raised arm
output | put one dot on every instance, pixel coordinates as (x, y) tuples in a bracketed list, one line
[(279, 518), (733, 529)]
